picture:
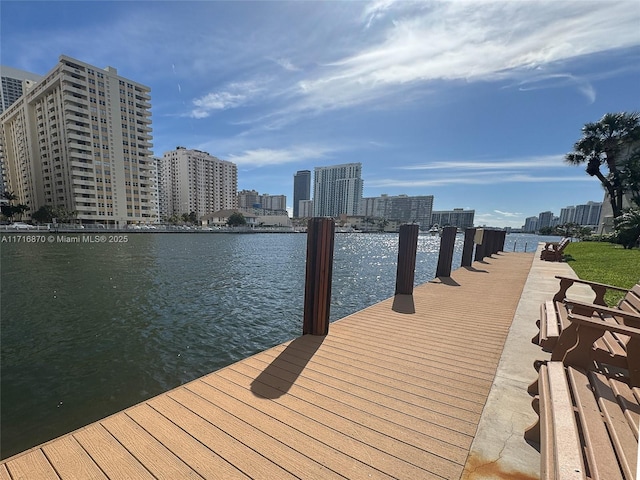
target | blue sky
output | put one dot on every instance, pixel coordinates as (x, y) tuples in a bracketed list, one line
[(474, 102)]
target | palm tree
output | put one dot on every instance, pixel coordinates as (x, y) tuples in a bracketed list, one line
[(608, 142)]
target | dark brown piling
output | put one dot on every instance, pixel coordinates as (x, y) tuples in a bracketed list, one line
[(407, 249), (467, 249), (479, 240), (445, 257), (317, 290)]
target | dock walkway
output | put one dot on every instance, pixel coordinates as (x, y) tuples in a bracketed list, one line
[(396, 390)]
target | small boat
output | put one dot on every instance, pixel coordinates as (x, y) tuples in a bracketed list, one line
[(435, 230)]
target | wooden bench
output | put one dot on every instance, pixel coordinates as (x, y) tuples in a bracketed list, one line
[(552, 251), (588, 416), (554, 320)]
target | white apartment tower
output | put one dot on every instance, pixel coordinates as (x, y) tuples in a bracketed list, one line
[(195, 181), (81, 138), (337, 190)]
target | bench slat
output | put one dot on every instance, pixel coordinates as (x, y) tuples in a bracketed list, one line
[(568, 456), (594, 431), (546, 426), (629, 404), (623, 439)]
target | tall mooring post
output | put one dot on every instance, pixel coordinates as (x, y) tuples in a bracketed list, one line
[(479, 240), (407, 249), (467, 249), (445, 257), (317, 289)]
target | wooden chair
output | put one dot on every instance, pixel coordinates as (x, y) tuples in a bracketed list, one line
[(588, 414), (555, 325), (553, 251)]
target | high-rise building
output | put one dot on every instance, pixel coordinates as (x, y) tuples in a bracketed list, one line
[(530, 225), (80, 138), (273, 202), (337, 190), (306, 209), (457, 217), (547, 219), (14, 83), (588, 214), (248, 199), (301, 190), (399, 208), (567, 215), (195, 181)]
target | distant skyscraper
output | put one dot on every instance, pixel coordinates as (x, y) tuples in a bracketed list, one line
[(12, 85), (530, 224), (545, 219), (194, 181), (301, 190), (456, 218), (399, 208), (81, 138), (588, 214), (337, 190)]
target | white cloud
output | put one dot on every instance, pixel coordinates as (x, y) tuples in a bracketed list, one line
[(261, 157), (560, 80), (232, 96), (495, 178), (469, 41), (508, 214), (287, 64), (544, 161)]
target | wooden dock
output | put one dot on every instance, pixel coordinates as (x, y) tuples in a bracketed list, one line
[(394, 391)]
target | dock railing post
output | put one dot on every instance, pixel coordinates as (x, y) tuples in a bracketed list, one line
[(317, 289), (407, 250), (445, 257), (467, 249)]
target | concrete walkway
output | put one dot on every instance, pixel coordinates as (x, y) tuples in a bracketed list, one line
[(499, 451)]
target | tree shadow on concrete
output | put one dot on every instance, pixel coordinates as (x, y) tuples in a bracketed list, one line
[(280, 375)]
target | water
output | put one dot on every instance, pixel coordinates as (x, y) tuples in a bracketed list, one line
[(90, 329)]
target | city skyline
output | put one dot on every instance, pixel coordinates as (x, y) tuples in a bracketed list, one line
[(472, 102)]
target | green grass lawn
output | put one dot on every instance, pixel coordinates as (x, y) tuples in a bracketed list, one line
[(605, 263)]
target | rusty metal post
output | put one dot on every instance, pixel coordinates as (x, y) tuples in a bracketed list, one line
[(467, 249), (317, 290), (445, 257), (407, 250)]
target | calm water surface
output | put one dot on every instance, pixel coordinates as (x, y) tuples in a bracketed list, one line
[(90, 329)]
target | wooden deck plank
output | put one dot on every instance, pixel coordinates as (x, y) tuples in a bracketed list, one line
[(385, 394), (315, 416), (444, 426), (420, 376), (203, 460), (32, 465), (71, 461), (298, 432), (4, 473), (254, 438), (235, 452), (159, 460), (376, 379), (112, 458), (458, 419), (321, 403)]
